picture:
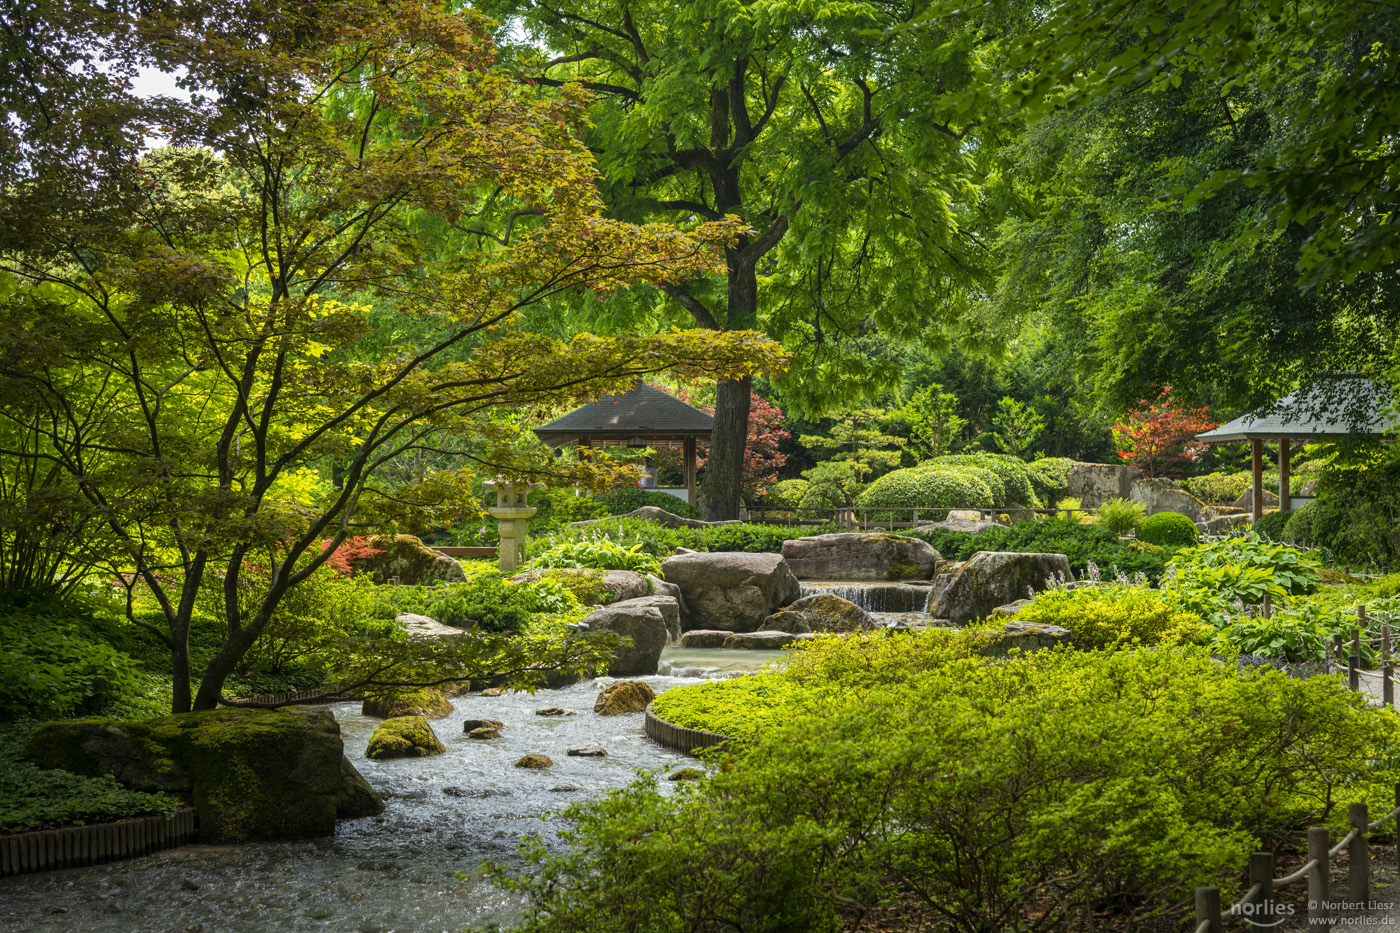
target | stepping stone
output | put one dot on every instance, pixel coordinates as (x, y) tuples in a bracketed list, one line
[(485, 732), (587, 751), (535, 762), (554, 711), (471, 724)]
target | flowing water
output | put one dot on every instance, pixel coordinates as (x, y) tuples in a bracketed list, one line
[(394, 872), (892, 604)]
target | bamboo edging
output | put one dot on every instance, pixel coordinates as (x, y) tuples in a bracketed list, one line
[(77, 846), (679, 737)]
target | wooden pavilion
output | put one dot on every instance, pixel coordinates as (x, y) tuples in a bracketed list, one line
[(1338, 405), (643, 416)]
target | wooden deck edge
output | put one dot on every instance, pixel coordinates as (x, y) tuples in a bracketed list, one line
[(681, 738)]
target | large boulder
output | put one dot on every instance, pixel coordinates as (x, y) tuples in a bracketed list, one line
[(645, 629), (660, 587), (420, 626), (732, 591), (668, 606), (408, 559), (970, 526), (821, 613), (770, 641), (704, 638), (860, 556), (625, 696), (404, 737), (428, 702), (1246, 500), (1159, 494), (253, 775), (1224, 524), (651, 513), (971, 589), (1024, 637), (1093, 484)]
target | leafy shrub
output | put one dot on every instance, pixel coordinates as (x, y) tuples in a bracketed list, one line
[(1288, 635), (33, 798), (1299, 527), (737, 706), (1291, 571), (1271, 525), (630, 498), (1356, 514), (492, 603), (1012, 472), (51, 661), (1049, 477), (822, 495), (598, 552), (985, 790), (1168, 529), (1082, 544), (786, 494), (1114, 616), (1214, 579), (1226, 488), (930, 487), (1120, 516)]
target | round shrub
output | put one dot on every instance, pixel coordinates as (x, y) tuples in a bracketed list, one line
[(1050, 477), (630, 498), (1011, 472), (1299, 528), (1169, 529), (786, 494), (822, 496), (933, 486), (1271, 525)]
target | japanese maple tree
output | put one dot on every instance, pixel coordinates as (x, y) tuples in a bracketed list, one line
[(1158, 437)]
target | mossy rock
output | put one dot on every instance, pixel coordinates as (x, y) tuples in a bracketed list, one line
[(535, 762), (254, 775), (427, 702), (410, 560), (625, 696), (404, 737)]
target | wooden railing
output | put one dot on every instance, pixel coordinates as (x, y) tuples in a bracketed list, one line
[(1258, 905), (76, 846), (860, 517)]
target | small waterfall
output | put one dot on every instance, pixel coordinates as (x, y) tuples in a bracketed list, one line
[(876, 597)]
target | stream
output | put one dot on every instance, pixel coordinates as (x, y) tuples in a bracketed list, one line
[(397, 871)]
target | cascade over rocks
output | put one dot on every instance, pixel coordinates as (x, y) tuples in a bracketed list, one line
[(732, 591), (409, 559), (643, 625), (973, 588), (254, 775), (704, 638), (860, 556), (822, 612)]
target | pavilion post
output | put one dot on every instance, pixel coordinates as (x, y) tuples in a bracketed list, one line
[(1257, 449), (1285, 499), (690, 469)]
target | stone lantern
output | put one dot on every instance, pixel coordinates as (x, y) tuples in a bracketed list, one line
[(513, 515)]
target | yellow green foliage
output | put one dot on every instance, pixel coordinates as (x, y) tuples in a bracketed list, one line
[(1114, 616)]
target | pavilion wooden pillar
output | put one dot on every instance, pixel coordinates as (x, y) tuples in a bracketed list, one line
[(1285, 498), (689, 444), (1257, 487)]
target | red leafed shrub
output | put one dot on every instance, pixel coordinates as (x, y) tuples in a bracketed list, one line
[(1159, 436), (350, 549)]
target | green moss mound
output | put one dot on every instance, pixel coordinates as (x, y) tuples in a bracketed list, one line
[(428, 702), (254, 775), (404, 737), (1168, 529)]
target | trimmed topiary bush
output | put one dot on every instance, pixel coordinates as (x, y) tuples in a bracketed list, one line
[(1050, 477), (786, 494), (1271, 525), (932, 486), (1299, 529), (1011, 472), (1169, 529), (630, 498)]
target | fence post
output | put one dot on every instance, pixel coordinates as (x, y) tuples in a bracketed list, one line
[(1319, 841), (1354, 673), (1358, 856), (1208, 909), (1261, 872)]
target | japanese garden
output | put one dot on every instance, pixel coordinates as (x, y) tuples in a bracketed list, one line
[(713, 467)]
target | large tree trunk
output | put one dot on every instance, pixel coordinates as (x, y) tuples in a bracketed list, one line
[(719, 494), (180, 671)]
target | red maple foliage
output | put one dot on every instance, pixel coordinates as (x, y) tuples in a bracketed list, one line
[(762, 459), (350, 549), (1158, 437)]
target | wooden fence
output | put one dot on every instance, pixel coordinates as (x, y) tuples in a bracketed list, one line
[(886, 517), (314, 696), (76, 846), (1258, 906)]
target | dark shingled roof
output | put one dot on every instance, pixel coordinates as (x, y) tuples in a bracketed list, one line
[(1335, 406), (640, 412)]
